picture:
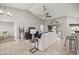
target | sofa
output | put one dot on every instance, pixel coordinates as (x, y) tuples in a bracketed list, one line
[(46, 40)]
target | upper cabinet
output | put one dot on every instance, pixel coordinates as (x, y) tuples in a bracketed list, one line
[(72, 20)]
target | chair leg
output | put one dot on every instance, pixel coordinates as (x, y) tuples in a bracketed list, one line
[(70, 44), (75, 45), (65, 42)]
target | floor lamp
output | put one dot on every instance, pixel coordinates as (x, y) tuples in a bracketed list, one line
[(32, 31), (35, 48)]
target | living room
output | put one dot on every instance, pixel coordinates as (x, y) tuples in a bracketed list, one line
[(52, 20)]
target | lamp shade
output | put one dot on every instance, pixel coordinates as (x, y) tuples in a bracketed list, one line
[(32, 31)]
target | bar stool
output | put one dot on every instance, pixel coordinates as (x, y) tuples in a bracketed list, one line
[(72, 39), (67, 38)]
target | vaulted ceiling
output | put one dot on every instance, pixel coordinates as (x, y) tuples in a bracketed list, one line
[(56, 9), (26, 6)]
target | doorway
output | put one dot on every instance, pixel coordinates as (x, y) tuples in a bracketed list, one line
[(7, 31)]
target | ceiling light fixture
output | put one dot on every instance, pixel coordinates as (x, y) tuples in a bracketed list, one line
[(45, 13), (3, 11)]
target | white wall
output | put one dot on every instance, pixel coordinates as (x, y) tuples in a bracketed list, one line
[(23, 18), (62, 21)]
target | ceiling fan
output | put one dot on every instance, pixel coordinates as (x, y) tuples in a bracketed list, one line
[(45, 13)]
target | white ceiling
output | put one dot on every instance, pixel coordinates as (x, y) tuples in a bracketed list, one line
[(26, 6), (56, 9)]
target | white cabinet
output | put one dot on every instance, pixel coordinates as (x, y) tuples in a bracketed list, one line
[(72, 20)]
